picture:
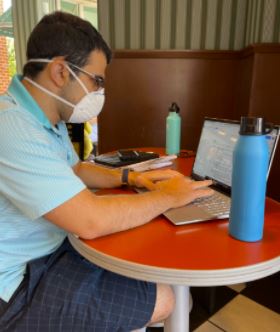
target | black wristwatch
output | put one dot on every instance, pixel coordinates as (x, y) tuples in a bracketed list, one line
[(124, 177)]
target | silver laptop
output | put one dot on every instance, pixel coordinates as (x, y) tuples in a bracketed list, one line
[(214, 161)]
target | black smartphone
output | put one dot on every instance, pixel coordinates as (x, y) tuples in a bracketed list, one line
[(124, 157), (128, 155)]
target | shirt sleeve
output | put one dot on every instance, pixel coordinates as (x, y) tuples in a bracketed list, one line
[(35, 174)]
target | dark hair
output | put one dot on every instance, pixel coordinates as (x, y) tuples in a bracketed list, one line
[(63, 34)]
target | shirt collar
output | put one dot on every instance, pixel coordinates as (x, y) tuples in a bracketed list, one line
[(18, 91)]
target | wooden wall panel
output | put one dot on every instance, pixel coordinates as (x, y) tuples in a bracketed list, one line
[(142, 86), (244, 82), (265, 101), (265, 92)]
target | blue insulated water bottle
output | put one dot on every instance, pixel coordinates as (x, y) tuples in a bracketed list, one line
[(250, 164), (173, 130)]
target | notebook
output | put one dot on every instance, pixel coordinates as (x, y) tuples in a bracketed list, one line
[(214, 161)]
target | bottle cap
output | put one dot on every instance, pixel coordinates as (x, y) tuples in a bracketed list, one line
[(254, 126), (174, 108)]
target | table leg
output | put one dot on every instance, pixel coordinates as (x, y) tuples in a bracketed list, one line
[(179, 319)]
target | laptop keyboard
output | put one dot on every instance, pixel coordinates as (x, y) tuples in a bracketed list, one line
[(217, 204)]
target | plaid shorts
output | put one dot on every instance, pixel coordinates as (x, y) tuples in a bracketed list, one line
[(63, 292)]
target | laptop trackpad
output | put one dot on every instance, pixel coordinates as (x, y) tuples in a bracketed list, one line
[(187, 214)]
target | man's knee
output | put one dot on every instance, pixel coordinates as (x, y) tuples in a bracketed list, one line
[(165, 302)]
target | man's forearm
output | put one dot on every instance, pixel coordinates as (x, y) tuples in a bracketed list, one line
[(122, 212), (91, 216), (97, 176)]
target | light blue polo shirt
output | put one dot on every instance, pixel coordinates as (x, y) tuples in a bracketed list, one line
[(36, 175)]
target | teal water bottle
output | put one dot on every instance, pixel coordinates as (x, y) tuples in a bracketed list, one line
[(249, 172), (173, 130)]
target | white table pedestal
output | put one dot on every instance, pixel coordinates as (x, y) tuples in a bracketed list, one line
[(178, 321)]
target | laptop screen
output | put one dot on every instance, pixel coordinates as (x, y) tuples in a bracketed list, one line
[(214, 154)]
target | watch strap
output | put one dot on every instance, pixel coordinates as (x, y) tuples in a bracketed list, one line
[(124, 177)]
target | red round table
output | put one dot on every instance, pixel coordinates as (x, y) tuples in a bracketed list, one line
[(201, 254)]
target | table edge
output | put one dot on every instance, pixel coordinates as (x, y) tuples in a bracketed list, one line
[(218, 277)]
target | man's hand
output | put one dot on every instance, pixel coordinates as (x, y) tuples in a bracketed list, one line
[(149, 179), (182, 191), (178, 189)]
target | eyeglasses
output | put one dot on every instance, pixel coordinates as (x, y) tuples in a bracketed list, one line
[(98, 81)]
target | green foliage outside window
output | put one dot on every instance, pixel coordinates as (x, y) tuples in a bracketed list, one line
[(11, 57)]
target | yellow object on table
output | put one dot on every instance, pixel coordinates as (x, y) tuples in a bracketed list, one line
[(88, 146)]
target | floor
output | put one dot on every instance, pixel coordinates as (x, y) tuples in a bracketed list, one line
[(254, 306)]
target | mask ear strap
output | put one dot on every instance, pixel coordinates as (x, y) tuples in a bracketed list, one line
[(77, 78), (39, 60), (67, 66), (49, 92)]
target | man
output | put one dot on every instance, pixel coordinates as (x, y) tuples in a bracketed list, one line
[(44, 284)]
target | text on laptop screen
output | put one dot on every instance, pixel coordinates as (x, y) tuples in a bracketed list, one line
[(215, 149)]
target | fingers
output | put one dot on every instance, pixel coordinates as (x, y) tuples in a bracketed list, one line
[(142, 181), (160, 175), (203, 192), (201, 184), (188, 180), (145, 179)]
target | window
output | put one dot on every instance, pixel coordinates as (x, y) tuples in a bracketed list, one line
[(7, 49), (85, 9)]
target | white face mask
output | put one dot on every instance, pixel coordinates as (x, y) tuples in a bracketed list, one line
[(87, 108)]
